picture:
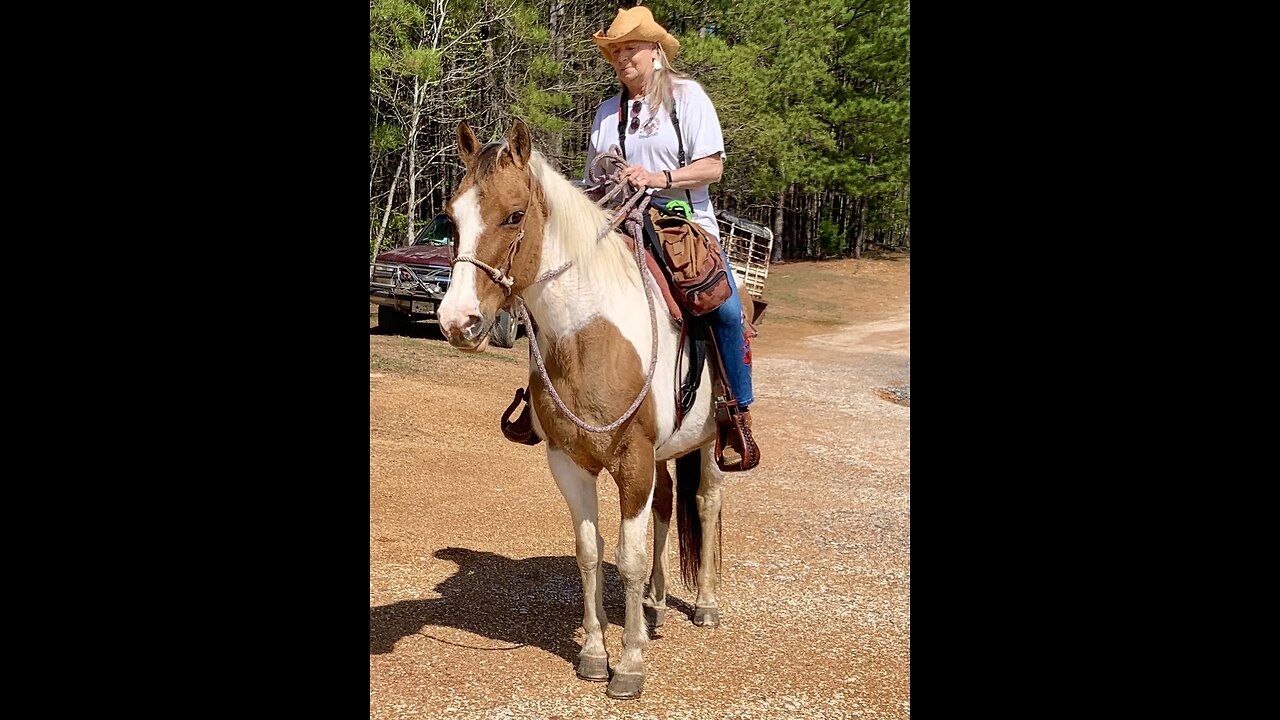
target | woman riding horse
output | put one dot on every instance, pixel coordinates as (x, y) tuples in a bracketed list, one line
[(669, 133)]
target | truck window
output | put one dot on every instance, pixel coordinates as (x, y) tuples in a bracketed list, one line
[(437, 232)]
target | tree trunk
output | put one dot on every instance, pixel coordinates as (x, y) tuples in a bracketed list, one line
[(811, 206), (555, 140), (794, 248), (414, 117), (386, 214), (845, 221), (777, 225), (862, 228)]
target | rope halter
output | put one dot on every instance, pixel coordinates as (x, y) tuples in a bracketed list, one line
[(502, 277)]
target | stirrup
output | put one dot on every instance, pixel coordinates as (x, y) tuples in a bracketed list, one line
[(733, 436), (521, 430)]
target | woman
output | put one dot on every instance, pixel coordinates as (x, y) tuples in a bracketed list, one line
[(670, 135)]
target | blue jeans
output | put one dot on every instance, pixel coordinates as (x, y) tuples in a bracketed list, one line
[(735, 347)]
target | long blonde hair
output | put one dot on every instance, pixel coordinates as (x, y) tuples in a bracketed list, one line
[(661, 86)]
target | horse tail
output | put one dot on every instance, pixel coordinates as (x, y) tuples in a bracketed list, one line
[(688, 478)]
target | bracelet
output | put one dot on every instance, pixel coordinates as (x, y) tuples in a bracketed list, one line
[(668, 174)]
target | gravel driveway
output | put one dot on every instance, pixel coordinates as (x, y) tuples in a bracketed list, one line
[(474, 594)]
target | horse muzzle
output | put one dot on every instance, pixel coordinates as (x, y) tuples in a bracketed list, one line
[(471, 335)]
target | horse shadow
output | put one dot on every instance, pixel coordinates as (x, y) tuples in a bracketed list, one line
[(536, 601), (425, 330)]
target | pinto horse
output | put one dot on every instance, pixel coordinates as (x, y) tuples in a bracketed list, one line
[(526, 235)]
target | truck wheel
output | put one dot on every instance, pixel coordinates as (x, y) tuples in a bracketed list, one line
[(392, 321), (504, 330)]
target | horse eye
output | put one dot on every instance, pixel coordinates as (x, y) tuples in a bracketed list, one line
[(514, 218)]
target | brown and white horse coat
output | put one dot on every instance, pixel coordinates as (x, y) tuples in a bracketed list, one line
[(594, 331)]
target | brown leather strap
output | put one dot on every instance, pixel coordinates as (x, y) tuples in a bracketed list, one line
[(660, 279), (684, 331), (520, 396), (723, 376)]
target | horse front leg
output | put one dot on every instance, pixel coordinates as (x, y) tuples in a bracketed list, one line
[(635, 477), (655, 600), (578, 486)]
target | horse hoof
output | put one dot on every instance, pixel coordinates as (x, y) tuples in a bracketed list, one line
[(706, 616), (593, 668), (625, 687), (655, 616)]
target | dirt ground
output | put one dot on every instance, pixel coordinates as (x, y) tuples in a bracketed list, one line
[(474, 595)]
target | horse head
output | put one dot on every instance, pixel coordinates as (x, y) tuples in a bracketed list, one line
[(499, 213)]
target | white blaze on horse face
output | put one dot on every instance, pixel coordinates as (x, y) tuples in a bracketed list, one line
[(460, 302)]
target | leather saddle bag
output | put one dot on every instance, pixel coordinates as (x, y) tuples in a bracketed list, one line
[(698, 271)]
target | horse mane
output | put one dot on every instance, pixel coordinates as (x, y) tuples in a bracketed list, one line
[(573, 224)]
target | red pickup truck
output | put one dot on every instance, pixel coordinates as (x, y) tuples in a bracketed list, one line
[(408, 283)]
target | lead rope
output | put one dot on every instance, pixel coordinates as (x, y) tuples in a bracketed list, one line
[(633, 213)]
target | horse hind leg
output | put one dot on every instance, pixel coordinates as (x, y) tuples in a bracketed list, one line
[(698, 481), (578, 486), (655, 600)]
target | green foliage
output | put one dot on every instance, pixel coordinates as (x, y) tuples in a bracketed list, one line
[(543, 68), (538, 108), (421, 62), (531, 24), (830, 244), (813, 96), (386, 137), (397, 226), (393, 19), (379, 61)]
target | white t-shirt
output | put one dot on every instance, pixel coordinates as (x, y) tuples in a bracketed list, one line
[(654, 145)]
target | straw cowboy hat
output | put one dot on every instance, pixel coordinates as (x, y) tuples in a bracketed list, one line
[(636, 24)]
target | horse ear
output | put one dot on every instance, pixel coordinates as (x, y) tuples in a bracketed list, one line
[(467, 143), (519, 144)]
